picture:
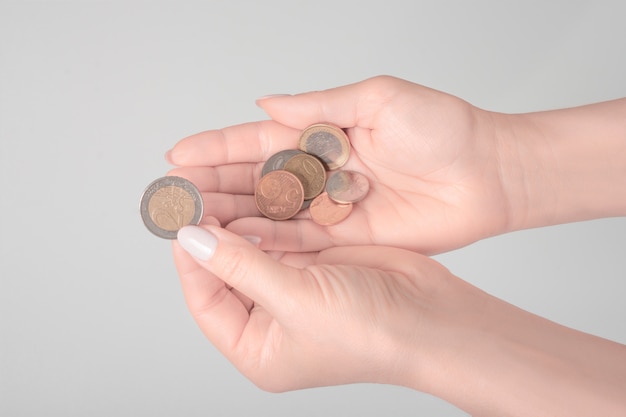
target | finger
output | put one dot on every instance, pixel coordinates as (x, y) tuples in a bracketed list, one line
[(290, 235), (228, 207), (383, 258), (298, 260), (241, 265), (219, 313), (231, 179), (249, 142), (304, 235), (347, 106)]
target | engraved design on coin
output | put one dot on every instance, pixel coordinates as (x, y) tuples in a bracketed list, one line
[(279, 195), (347, 187), (311, 173), (171, 208), (170, 203), (327, 142)]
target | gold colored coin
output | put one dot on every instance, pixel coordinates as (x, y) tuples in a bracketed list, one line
[(170, 203), (278, 160), (327, 142), (310, 171), (171, 208), (279, 195)]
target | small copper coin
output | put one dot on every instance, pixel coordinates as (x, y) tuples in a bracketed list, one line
[(279, 195), (278, 160), (311, 173), (168, 204), (326, 212), (347, 187), (327, 142)]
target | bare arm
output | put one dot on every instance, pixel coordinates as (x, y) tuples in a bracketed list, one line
[(565, 165)]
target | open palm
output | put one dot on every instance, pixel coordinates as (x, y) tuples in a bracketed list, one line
[(431, 159), (310, 320)]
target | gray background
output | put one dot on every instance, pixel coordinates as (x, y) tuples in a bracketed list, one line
[(92, 320)]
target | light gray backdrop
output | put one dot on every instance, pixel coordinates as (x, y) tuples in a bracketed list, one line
[(92, 320)]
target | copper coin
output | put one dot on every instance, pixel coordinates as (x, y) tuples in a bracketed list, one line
[(311, 173), (327, 142), (347, 186), (279, 195), (278, 160), (326, 212), (170, 203)]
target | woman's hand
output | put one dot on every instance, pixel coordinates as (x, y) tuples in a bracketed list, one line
[(385, 315), (335, 317), (431, 159)]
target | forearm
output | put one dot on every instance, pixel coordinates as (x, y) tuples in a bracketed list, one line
[(509, 362), (528, 366), (564, 165)]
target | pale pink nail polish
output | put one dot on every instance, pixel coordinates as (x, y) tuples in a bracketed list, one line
[(168, 157), (198, 242), (254, 240), (272, 96)]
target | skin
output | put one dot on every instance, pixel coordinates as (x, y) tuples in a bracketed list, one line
[(443, 173), (302, 307), (387, 315)]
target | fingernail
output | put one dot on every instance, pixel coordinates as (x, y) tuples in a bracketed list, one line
[(272, 96), (168, 157), (198, 242), (255, 240)]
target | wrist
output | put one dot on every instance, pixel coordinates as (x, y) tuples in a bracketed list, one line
[(564, 165), (491, 358)]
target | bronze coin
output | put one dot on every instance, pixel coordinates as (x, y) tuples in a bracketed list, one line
[(279, 195), (347, 186), (170, 203), (311, 173), (327, 142), (278, 160), (326, 212)]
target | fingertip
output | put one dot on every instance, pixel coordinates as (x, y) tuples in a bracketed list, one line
[(198, 242), (168, 157), (270, 96)]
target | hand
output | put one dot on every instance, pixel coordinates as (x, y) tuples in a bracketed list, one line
[(431, 159), (335, 317), (378, 314)]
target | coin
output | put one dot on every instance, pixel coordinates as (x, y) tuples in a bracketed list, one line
[(279, 195), (168, 204), (306, 204), (310, 171), (327, 142), (326, 212), (347, 186), (278, 160)]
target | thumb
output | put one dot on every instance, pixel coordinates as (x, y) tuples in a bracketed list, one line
[(348, 106), (237, 262)]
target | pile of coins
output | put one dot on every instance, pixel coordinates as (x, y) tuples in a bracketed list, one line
[(291, 180), (296, 179)]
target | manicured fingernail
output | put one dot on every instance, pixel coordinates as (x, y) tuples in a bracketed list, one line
[(198, 242), (255, 240), (272, 96), (168, 157)]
